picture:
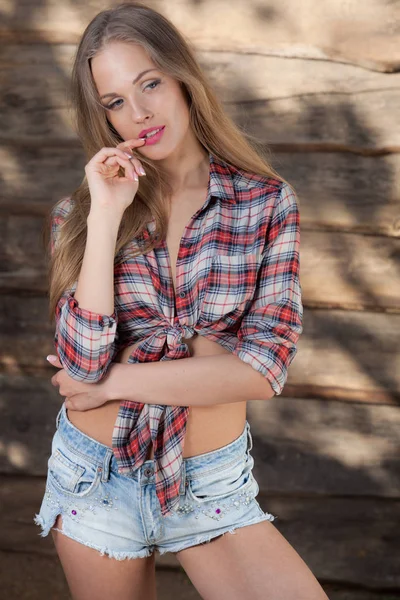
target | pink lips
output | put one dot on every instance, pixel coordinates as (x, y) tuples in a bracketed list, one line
[(154, 138)]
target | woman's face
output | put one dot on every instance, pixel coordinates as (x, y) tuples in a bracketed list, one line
[(138, 101)]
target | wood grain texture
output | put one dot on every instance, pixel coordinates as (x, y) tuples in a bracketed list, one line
[(335, 31), (345, 351), (350, 271), (342, 539), (314, 446), (282, 102)]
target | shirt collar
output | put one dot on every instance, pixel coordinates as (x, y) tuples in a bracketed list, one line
[(221, 180), (220, 185)]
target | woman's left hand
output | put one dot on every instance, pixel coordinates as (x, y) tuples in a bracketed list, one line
[(78, 394)]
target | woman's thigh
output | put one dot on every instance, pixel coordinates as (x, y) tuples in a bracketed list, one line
[(92, 575), (255, 562)]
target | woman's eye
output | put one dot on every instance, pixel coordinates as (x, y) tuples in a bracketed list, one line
[(113, 104), (153, 83)]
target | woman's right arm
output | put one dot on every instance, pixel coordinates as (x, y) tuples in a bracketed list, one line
[(86, 330), (86, 322)]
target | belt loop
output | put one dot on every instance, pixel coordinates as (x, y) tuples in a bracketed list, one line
[(249, 437), (182, 487), (106, 466)]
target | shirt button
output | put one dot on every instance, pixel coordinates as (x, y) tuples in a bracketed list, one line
[(182, 294), (148, 472)]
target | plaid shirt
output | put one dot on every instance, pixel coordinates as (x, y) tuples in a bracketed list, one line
[(237, 284)]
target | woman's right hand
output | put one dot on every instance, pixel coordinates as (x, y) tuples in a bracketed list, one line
[(107, 189)]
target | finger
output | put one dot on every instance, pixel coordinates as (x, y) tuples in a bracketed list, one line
[(130, 172), (138, 165), (78, 402), (125, 163), (132, 143), (104, 153), (54, 360), (110, 162)]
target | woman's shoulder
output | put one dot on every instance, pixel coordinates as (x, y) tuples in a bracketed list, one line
[(62, 207), (267, 190), (243, 180)]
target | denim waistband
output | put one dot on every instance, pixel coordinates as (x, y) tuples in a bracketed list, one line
[(102, 455)]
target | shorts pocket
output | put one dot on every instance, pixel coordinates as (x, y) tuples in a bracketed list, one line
[(219, 484), (71, 473)]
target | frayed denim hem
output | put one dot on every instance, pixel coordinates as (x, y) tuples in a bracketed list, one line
[(38, 520), (216, 534)]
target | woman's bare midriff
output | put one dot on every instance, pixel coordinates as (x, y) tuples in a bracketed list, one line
[(203, 431)]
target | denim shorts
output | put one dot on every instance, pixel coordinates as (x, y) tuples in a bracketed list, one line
[(119, 515)]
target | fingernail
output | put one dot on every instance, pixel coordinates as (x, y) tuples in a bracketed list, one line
[(142, 171), (136, 178), (51, 358), (128, 155)]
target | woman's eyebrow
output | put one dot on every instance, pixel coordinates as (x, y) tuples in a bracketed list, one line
[(133, 83)]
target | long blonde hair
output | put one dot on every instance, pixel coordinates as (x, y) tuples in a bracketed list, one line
[(139, 24)]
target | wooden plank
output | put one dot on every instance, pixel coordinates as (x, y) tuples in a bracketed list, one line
[(346, 270), (300, 445), (26, 576), (311, 103), (363, 270), (307, 446), (343, 540), (327, 31), (36, 177), (22, 254), (349, 355), (345, 193)]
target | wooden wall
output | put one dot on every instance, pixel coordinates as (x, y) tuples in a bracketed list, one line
[(319, 84)]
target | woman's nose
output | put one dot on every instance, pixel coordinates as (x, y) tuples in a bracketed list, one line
[(138, 111)]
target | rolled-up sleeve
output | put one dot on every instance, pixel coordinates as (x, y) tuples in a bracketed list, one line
[(85, 341), (271, 326)]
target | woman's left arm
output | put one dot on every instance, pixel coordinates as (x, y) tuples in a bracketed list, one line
[(192, 381)]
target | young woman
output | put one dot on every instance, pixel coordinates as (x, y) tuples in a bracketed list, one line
[(177, 255)]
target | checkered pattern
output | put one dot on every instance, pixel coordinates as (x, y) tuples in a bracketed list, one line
[(237, 284)]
